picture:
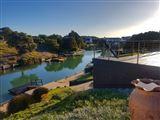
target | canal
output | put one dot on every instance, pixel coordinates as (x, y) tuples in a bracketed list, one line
[(48, 72)]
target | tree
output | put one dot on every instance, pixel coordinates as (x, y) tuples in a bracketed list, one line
[(1, 38), (69, 44), (149, 41), (5, 32), (72, 42), (23, 42), (151, 35), (48, 43), (54, 42), (78, 39)]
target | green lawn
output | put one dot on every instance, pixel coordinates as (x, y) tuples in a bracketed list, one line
[(82, 79), (85, 78), (65, 104)]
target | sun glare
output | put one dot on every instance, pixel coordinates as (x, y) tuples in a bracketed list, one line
[(151, 24)]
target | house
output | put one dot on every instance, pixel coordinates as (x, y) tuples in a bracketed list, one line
[(88, 40)]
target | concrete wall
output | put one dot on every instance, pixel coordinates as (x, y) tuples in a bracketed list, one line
[(115, 74)]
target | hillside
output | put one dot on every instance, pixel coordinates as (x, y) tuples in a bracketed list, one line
[(66, 104), (7, 54)]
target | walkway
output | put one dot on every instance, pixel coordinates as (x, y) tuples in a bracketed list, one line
[(59, 83)]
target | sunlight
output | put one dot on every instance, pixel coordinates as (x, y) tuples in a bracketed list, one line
[(153, 60), (152, 24)]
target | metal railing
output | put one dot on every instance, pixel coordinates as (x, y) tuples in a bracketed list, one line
[(141, 48)]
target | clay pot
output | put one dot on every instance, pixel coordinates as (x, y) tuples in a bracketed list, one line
[(144, 105)]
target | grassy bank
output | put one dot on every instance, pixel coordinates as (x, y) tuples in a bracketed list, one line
[(8, 55), (82, 79), (65, 104)]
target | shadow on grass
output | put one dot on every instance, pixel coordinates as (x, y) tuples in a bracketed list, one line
[(80, 99)]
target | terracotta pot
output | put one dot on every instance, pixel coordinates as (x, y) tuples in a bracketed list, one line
[(144, 105)]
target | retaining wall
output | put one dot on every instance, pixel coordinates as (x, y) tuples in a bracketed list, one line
[(116, 74)]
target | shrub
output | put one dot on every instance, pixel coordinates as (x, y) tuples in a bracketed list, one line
[(2, 115), (44, 97), (57, 97), (103, 104), (38, 92), (19, 102), (59, 93), (30, 58), (34, 57)]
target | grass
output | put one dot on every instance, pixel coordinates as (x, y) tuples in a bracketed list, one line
[(86, 77), (82, 79), (5, 50), (35, 57), (65, 104)]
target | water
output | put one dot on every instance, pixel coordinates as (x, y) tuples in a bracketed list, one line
[(46, 72)]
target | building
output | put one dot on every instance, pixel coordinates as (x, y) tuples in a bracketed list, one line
[(88, 40)]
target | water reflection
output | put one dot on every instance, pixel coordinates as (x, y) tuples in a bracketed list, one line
[(19, 69), (70, 63), (23, 79), (46, 72)]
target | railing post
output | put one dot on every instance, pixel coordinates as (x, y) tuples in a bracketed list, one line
[(133, 48), (138, 49), (109, 45), (94, 51)]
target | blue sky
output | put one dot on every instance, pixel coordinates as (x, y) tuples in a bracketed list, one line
[(87, 17)]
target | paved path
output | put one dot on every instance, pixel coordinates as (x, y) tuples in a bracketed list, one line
[(83, 87), (51, 85)]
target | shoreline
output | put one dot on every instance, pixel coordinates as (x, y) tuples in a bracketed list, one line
[(51, 85), (57, 58)]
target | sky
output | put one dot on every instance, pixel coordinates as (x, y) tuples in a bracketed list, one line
[(101, 18)]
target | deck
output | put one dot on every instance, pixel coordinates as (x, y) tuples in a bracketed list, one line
[(21, 89)]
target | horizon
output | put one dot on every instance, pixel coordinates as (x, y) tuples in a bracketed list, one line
[(126, 17), (76, 32)]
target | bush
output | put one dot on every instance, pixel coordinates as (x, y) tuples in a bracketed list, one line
[(59, 93), (34, 57), (38, 92), (19, 102), (2, 115), (56, 97), (103, 104), (30, 58)]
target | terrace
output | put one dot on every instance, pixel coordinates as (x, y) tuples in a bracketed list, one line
[(113, 71)]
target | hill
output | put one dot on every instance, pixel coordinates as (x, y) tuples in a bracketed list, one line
[(66, 104)]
